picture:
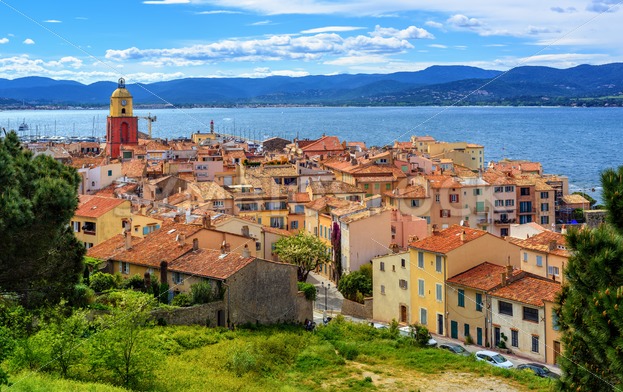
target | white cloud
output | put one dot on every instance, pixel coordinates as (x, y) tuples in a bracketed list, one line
[(433, 24), (533, 30), (460, 47), (28, 41), (261, 23), (561, 10), (218, 12), (4, 40), (410, 32), (166, 2), (603, 6), (52, 21), (462, 21), (263, 72), (358, 60), (559, 60), (331, 29), (438, 46), (82, 18)]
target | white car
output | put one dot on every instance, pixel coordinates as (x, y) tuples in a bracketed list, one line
[(493, 358)]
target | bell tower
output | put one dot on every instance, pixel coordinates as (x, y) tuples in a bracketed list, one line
[(122, 126)]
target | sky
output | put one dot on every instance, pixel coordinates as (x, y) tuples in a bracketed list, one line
[(157, 40)]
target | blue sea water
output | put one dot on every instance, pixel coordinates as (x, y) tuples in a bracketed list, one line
[(577, 142)]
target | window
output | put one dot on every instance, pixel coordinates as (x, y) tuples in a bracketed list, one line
[(535, 344), (423, 316), (109, 173), (551, 270), (415, 203), (76, 226), (479, 302), (278, 223), (498, 189), (525, 219), (510, 202), (544, 195), (388, 187), (509, 188), (88, 245), (462, 298), (437, 198), (525, 257), (218, 203), (124, 267), (294, 225), (383, 289), (316, 231), (177, 278), (258, 246), (499, 203), (545, 220), (420, 259), (539, 261), (382, 266), (530, 314), (444, 213), (402, 284), (403, 263), (544, 206), (89, 228), (514, 338), (393, 268), (524, 191), (504, 232), (438, 292), (466, 330), (420, 287), (505, 308), (454, 198), (438, 263), (525, 206)]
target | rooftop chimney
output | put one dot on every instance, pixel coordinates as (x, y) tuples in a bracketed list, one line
[(509, 271), (245, 251), (181, 239), (128, 240), (462, 235), (503, 276), (195, 243), (435, 229), (206, 222), (552, 245)]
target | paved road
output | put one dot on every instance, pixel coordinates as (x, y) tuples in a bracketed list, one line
[(327, 294)]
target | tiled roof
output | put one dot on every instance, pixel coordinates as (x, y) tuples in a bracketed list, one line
[(276, 230), (210, 263), (529, 290), (547, 242), (484, 276), (323, 202), (300, 197), (438, 181), (349, 209), (86, 162), (96, 206), (135, 168), (575, 199), (138, 149), (109, 248), (357, 216), (329, 143), (286, 170), (403, 145), (410, 192), (361, 145), (332, 187), (160, 245), (495, 177), (209, 190), (447, 240)]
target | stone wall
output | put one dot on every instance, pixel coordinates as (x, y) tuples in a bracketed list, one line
[(355, 309), (206, 314), (594, 218), (305, 308)]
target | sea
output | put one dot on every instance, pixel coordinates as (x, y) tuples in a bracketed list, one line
[(577, 142)]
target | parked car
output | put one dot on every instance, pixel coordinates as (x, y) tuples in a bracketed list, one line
[(455, 349), (409, 331), (493, 358), (539, 370)]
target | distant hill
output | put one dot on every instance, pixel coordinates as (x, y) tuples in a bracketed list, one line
[(437, 85)]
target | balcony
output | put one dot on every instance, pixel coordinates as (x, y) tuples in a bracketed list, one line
[(483, 222), (498, 222), (477, 210)]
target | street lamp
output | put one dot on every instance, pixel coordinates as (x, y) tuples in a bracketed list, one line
[(327, 287)]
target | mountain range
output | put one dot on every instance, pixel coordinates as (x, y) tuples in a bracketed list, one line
[(437, 85)]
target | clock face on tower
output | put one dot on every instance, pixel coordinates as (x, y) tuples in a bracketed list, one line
[(124, 102)]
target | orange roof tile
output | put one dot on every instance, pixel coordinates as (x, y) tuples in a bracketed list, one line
[(438, 181), (329, 143), (546, 242), (109, 248), (277, 231), (484, 276), (410, 192), (301, 197), (530, 290), (210, 263), (135, 168), (447, 240), (96, 206)]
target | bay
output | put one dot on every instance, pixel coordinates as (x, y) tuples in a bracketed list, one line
[(577, 142)]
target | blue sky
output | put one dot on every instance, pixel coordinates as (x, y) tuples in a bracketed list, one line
[(156, 40)]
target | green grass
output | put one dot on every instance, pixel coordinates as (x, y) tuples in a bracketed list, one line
[(339, 357)]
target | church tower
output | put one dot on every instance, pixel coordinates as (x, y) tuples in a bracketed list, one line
[(122, 126)]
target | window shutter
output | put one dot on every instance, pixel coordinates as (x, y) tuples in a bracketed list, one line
[(121, 266), (145, 230)]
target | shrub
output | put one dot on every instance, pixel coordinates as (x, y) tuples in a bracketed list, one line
[(469, 339), (201, 293), (309, 290), (242, 362), (136, 282), (182, 299), (163, 293), (348, 350), (356, 285), (82, 296), (101, 282)]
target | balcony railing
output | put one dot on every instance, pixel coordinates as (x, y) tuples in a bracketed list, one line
[(504, 221), (482, 210)]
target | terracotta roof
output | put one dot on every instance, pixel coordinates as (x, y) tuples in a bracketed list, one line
[(529, 290), (276, 230), (546, 242), (403, 145), (210, 263), (349, 209), (332, 187), (323, 202), (96, 206), (209, 190), (496, 177), (135, 168), (138, 149), (447, 240), (300, 197), (361, 145), (286, 170), (109, 248), (357, 216), (438, 181), (329, 143), (485, 276), (160, 245), (86, 162), (575, 199), (410, 192)]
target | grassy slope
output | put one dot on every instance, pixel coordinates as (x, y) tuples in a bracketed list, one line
[(339, 357)]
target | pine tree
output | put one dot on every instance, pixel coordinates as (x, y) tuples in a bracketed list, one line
[(40, 258), (588, 307)]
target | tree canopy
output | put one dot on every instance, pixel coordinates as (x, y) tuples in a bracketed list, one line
[(40, 258), (588, 307), (303, 250)]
